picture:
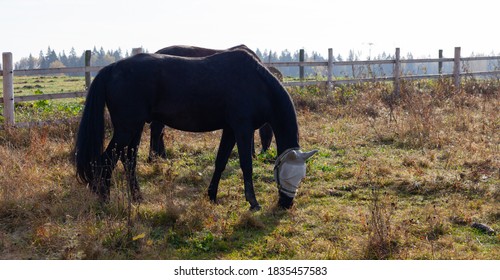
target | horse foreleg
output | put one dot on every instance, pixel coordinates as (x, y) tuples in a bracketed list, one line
[(253, 146), (225, 147), (243, 141)]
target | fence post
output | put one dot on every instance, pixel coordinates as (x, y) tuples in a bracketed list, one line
[(456, 68), (440, 63), (397, 73), (136, 51), (330, 69), (88, 54), (301, 67), (8, 89)]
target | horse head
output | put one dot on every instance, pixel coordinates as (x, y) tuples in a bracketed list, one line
[(289, 170)]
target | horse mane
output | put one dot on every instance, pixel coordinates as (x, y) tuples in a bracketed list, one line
[(187, 51), (268, 77), (247, 49)]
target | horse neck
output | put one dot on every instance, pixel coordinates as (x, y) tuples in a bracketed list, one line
[(285, 127)]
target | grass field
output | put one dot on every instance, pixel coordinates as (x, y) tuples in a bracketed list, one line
[(395, 178), (46, 109)]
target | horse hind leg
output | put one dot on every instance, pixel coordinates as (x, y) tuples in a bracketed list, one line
[(266, 136), (156, 144), (104, 167), (103, 170), (129, 160)]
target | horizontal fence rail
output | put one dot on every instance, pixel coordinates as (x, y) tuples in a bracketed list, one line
[(51, 71), (8, 73), (50, 96)]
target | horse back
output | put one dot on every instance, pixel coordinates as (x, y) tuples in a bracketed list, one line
[(193, 94)]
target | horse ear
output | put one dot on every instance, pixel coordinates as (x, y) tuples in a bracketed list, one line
[(293, 155), (307, 155)]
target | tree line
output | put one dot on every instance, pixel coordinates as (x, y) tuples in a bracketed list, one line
[(374, 70), (53, 59)]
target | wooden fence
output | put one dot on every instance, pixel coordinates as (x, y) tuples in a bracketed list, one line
[(8, 73)]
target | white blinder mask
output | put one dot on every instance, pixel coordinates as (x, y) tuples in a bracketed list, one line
[(290, 169)]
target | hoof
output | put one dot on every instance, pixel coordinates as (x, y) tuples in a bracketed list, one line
[(103, 199), (255, 208), (137, 198), (285, 207), (212, 195), (212, 198), (155, 157), (103, 196)]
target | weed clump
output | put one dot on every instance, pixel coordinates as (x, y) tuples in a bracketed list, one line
[(382, 242), (249, 221)]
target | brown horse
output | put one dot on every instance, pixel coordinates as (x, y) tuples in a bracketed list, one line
[(157, 145)]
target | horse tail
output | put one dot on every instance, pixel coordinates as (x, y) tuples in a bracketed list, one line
[(90, 138)]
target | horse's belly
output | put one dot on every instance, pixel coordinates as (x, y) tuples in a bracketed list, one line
[(192, 122)]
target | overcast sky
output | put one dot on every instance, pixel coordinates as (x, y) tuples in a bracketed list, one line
[(420, 27)]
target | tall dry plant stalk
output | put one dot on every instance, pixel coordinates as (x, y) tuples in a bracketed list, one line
[(382, 242)]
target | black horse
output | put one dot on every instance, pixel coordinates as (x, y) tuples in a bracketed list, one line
[(157, 145), (231, 91)]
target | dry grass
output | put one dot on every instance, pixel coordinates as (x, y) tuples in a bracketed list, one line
[(395, 178)]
